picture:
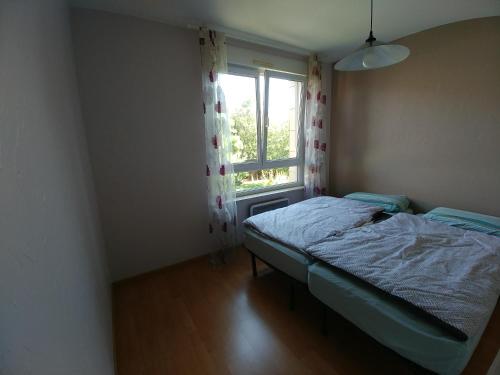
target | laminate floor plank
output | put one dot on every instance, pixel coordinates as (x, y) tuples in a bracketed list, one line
[(195, 318)]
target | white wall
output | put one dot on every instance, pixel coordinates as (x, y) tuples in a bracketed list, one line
[(55, 311), (140, 84), (140, 87), (252, 55)]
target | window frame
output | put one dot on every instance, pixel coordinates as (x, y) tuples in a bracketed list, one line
[(262, 128)]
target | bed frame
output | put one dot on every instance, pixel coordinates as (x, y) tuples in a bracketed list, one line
[(293, 283)]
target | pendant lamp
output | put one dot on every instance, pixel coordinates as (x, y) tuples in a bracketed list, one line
[(373, 54)]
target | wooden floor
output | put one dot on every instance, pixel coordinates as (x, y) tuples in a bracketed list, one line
[(193, 318)]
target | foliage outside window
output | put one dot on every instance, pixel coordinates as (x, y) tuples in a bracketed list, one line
[(265, 113)]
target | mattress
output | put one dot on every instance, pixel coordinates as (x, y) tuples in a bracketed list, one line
[(451, 274), (390, 322), (303, 224), (292, 262)]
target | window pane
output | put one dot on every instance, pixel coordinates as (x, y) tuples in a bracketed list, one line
[(240, 93), (265, 178), (284, 114)]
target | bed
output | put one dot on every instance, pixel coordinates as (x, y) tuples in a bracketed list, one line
[(436, 323), (390, 322), (389, 319), (280, 237)]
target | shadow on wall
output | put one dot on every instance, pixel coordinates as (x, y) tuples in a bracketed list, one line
[(350, 152)]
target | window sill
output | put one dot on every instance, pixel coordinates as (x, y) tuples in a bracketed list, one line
[(259, 194)]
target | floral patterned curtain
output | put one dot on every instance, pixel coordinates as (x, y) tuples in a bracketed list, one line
[(315, 133), (219, 170)]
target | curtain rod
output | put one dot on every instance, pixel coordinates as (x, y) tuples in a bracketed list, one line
[(239, 38)]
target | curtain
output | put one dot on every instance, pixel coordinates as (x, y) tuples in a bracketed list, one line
[(315, 162), (219, 170)]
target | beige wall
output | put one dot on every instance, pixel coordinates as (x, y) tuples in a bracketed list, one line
[(428, 127), (55, 294)]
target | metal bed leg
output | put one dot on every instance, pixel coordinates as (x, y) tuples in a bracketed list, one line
[(254, 265), (324, 321), (292, 296)]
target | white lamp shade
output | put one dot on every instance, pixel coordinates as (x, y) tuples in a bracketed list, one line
[(375, 56)]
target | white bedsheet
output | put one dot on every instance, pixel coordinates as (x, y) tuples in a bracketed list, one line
[(305, 223), (450, 273)]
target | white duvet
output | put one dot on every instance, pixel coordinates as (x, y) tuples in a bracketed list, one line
[(451, 273), (305, 223)]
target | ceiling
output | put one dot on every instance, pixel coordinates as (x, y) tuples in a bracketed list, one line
[(331, 27)]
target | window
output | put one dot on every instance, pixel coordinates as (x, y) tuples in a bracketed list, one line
[(265, 112)]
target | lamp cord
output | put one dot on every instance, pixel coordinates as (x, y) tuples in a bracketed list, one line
[(371, 17), (371, 38)]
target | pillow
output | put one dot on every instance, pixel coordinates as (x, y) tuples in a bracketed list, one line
[(390, 203), (466, 220)]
